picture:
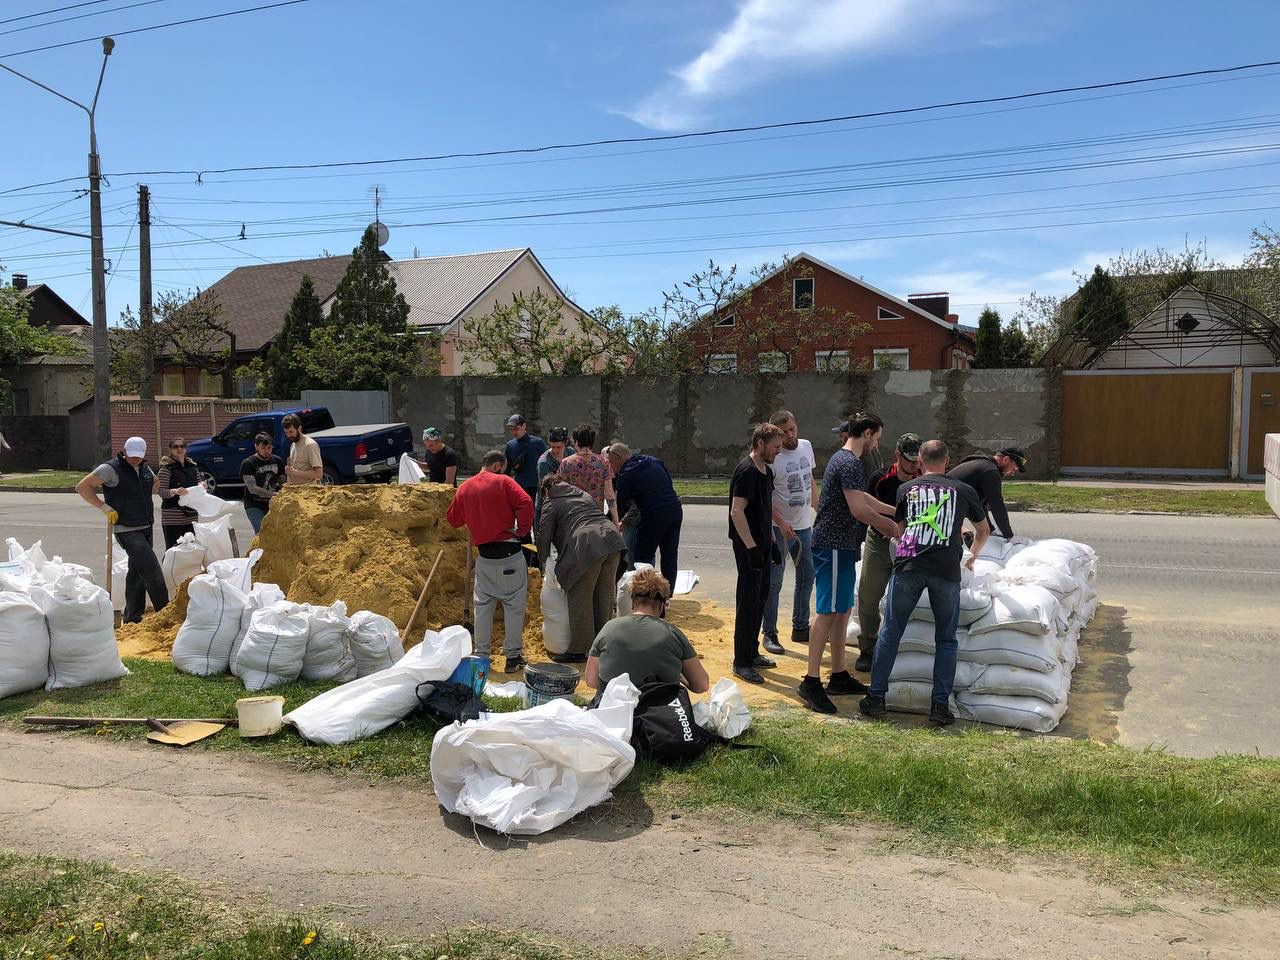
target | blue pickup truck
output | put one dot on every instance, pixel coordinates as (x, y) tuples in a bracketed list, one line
[(368, 452)]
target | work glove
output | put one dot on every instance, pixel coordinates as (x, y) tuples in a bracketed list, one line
[(112, 517), (757, 557), (775, 555)]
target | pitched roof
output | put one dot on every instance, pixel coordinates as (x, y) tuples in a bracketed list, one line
[(45, 302), (255, 299), (440, 289)]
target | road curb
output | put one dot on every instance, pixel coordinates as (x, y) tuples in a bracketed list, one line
[(9, 489)]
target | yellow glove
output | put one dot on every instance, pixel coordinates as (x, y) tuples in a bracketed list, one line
[(112, 517)]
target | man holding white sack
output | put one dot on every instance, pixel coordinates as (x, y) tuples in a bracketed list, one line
[(931, 513), (125, 482)]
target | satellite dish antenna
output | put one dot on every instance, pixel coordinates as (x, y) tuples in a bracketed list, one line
[(381, 232)]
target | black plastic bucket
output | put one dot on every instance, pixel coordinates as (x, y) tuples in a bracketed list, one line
[(545, 682)]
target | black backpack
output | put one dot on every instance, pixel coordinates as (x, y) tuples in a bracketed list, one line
[(448, 702), (663, 727)]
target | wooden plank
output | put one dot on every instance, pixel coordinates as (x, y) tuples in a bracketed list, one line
[(1264, 416)]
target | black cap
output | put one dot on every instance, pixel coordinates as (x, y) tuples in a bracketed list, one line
[(515, 420), (1017, 456), (842, 428), (558, 435)]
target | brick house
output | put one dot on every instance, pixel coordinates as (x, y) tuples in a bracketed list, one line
[(802, 317)]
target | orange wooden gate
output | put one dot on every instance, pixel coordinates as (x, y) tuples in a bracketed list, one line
[(1261, 416)]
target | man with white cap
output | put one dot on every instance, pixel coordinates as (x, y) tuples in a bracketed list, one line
[(125, 482)]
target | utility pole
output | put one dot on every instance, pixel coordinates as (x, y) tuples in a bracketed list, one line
[(147, 388)]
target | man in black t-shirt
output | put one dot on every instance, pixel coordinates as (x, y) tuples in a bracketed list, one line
[(440, 462), (931, 513), (751, 532), (262, 475)]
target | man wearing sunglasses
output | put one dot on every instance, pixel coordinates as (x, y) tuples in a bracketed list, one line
[(986, 474)]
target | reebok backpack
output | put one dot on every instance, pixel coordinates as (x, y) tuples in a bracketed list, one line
[(663, 726)]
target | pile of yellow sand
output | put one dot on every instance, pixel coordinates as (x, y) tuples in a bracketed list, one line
[(153, 637)]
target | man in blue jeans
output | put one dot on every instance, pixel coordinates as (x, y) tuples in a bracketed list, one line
[(795, 501), (931, 512)]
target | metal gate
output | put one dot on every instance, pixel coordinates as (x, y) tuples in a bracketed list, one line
[(1173, 422)]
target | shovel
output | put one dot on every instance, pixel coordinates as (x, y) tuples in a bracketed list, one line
[(182, 733)]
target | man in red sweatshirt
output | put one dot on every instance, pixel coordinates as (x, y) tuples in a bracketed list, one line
[(496, 513)]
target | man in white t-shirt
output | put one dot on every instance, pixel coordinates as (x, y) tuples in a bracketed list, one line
[(795, 498)]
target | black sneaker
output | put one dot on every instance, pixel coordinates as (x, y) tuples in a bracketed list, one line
[(764, 662), (800, 635), (863, 663), (814, 696), (872, 706), (940, 715), (844, 683), (514, 664), (749, 674), (568, 658), (771, 643)]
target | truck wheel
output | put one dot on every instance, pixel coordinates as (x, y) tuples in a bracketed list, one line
[(330, 478), (210, 481)]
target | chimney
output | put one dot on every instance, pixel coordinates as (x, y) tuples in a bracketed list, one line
[(939, 304), (19, 281), (953, 319)]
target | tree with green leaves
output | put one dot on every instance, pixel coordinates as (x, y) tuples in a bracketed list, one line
[(1016, 348), (990, 354), (1101, 311), (20, 341), (531, 337), (187, 330), (284, 367)]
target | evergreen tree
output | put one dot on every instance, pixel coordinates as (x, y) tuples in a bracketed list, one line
[(1015, 347), (1101, 313), (990, 341), (284, 374), (367, 295)]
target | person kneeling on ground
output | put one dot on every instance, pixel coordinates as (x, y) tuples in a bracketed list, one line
[(931, 513), (589, 549), (125, 483), (644, 646)]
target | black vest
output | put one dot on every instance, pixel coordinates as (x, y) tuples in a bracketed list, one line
[(185, 474), (131, 496)]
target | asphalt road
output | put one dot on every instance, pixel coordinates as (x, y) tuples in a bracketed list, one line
[(1182, 653)]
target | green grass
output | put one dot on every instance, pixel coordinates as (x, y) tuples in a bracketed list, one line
[(702, 488), (43, 479), (1135, 812), (66, 909)]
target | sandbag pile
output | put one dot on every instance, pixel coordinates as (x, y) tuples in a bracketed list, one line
[(57, 627), (1022, 610)]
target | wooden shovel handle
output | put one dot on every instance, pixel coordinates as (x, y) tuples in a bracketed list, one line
[(422, 597)]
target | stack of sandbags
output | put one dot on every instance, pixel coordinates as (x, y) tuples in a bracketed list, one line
[(180, 563), (216, 606)]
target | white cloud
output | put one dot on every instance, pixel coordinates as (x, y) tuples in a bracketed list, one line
[(768, 36)]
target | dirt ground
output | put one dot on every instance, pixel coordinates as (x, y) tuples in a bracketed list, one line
[(615, 876)]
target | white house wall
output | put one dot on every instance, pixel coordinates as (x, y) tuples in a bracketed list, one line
[(1161, 349)]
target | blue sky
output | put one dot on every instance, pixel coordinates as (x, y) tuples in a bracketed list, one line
[(326, 80)]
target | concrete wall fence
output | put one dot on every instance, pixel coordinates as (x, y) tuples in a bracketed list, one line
[(701, 425)]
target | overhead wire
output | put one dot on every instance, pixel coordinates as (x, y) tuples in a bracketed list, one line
[(45, 13), (81, 16)]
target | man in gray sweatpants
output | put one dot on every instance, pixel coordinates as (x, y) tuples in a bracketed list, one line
[(497, 513)]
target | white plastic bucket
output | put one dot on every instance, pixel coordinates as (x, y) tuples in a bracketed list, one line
[(260, 716)]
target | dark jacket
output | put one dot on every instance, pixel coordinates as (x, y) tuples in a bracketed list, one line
[(582, 534), (983, 474), (645, 482), (131, 496)]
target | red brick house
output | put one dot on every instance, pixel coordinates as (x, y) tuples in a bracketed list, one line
[(807, 315)]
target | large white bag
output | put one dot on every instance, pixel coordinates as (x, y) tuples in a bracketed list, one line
[(910, 696), (410, 472), (328, 656), (24, 644), (975, 602), (272, 650), (205, 503), (1025, 607), (1013, 648), (555, 612), (624, 588), (363, 707), (529, 772), (918, 637), (375, 642), (1005, 681), (180, 562), (259, 595), (918, 668), (725, 712), (215, 537), (82, 638), (218, 599), (1020, 713)]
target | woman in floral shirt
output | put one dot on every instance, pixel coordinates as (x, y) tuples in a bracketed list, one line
[(590, 471)]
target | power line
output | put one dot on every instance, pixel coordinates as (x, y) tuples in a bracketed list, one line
[(45, 13), (157, 26), (80, 16), (754, 128)]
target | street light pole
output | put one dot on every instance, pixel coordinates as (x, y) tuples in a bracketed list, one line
[(101, 348)]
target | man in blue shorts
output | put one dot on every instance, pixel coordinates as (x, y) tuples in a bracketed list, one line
[(845, 509)]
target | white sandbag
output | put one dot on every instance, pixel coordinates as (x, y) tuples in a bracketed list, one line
[(328, 655), (724, 712), (204, 641), (975, 602), (996, 548), (375, 642), (24, 644), (82, 638), (686, 580), (511, 688), (180, 562), (1014, 648), (259, 595), (1025, 607), (205, 503), (272, 650), (624, 588), (1005, 681), (363, 707), (1019, 713), (1057, 580), (911, 667), (555, 612), (908, 696), (215, 537), (528, 772), (410, 472), (119, 573), (32, 555)]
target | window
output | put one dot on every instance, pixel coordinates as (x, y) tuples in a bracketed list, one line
[(210, 384), (883, 314), (727, 321), (802, 293), (172, 386), (722, 363), (773, 361), (241, 432), (960, 360), (895, 359), (832, 361)]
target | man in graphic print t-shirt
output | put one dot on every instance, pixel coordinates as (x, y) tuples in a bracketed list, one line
[(931, 513)]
